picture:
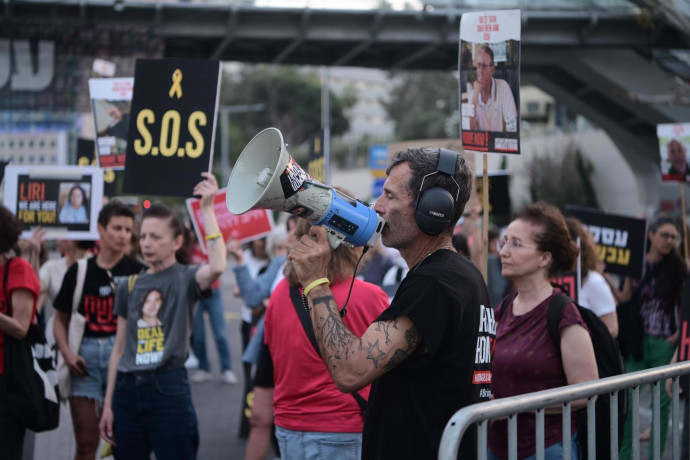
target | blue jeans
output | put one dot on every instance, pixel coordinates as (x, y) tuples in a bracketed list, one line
[(154, 411), (553, 452), (314, 445), (96, 352), (216, 313)]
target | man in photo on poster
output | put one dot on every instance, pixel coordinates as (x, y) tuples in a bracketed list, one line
[(492, 99), (677, 159)]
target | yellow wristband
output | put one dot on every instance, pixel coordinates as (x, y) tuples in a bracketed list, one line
[(213, 236), (315, 283)]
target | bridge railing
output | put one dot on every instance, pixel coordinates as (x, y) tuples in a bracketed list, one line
[(536, 402)]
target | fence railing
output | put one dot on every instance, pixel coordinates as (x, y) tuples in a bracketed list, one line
[(538, 401)]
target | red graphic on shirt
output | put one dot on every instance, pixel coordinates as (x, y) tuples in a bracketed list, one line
[(98, 312), (481, 377)]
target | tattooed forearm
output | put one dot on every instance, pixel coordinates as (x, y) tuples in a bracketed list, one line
[(384, 327), (333, 336), (374, 353)]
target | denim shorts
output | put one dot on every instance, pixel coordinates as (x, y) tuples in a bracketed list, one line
[(96, 352), (313, 445)]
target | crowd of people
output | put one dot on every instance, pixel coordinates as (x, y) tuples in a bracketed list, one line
[(344, 361)]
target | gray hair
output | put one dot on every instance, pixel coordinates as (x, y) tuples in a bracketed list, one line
[(424, 161)]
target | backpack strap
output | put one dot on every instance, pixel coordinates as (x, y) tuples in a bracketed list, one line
[(553, 317), (308, 327), (79, 288), (500, 308)]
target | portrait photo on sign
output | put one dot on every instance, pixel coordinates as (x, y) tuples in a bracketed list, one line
[(73, 202), (674, 140), (489, 86), (490, 83)]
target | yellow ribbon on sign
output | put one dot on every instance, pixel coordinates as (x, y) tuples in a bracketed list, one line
[(176, 88)]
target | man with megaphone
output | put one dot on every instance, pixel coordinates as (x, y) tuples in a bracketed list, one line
[(429, 353)]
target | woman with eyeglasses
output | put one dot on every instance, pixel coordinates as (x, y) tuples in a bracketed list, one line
[(657, 296), (537, 246)]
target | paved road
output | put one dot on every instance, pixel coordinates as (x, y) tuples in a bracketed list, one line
[(218, 404)]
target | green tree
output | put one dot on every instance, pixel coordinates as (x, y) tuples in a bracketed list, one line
[(292, 100), (562, 179), (421, 103)]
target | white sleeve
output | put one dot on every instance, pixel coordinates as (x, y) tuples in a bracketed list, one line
[(598, 293)]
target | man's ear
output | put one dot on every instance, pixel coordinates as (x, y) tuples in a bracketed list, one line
[(101, 230)]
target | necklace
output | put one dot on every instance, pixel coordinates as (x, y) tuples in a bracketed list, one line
[(427, 256)]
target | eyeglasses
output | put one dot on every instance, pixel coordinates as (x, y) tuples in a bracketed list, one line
[(484, 66), (669, 236), (512, 243)]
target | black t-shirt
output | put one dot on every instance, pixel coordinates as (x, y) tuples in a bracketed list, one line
[(97, 299), (447, 300)]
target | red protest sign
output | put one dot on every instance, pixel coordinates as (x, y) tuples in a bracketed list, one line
[(249, 226)]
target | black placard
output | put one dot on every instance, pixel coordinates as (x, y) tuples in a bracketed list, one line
[(172, 126), (621, 241)]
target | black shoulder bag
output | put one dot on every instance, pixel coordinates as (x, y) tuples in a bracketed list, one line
[(30, 381), (305, 319)]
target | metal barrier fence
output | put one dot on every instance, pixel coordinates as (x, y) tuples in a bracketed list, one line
[(537, 402)]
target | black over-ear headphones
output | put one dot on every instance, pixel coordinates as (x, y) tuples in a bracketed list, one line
[(435, 207)]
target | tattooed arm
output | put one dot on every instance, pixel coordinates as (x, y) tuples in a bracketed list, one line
[(355, 362)]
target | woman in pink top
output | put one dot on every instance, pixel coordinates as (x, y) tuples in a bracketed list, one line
[(313, 418), (536, 247)]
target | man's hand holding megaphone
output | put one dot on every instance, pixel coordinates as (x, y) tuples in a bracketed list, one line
[(310, 257)]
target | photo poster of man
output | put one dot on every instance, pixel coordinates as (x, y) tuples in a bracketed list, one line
[(173, 125), (489, 67), (674, 139), (621, 241), (63, 200), (110, 105), (246, 227)]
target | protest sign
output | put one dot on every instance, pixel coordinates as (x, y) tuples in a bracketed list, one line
[(673, 146), (172, 127), (499, 196), (110, 105), (86, 157), (249, 226), (621, 241), (63, 200), (489, 65), (569, 282)]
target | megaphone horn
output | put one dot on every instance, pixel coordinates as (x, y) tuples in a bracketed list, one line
[(267, 177)]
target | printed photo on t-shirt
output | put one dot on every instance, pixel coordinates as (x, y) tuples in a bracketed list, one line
[(150, 336)]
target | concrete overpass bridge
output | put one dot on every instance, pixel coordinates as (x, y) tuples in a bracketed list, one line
[(608, 60)]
